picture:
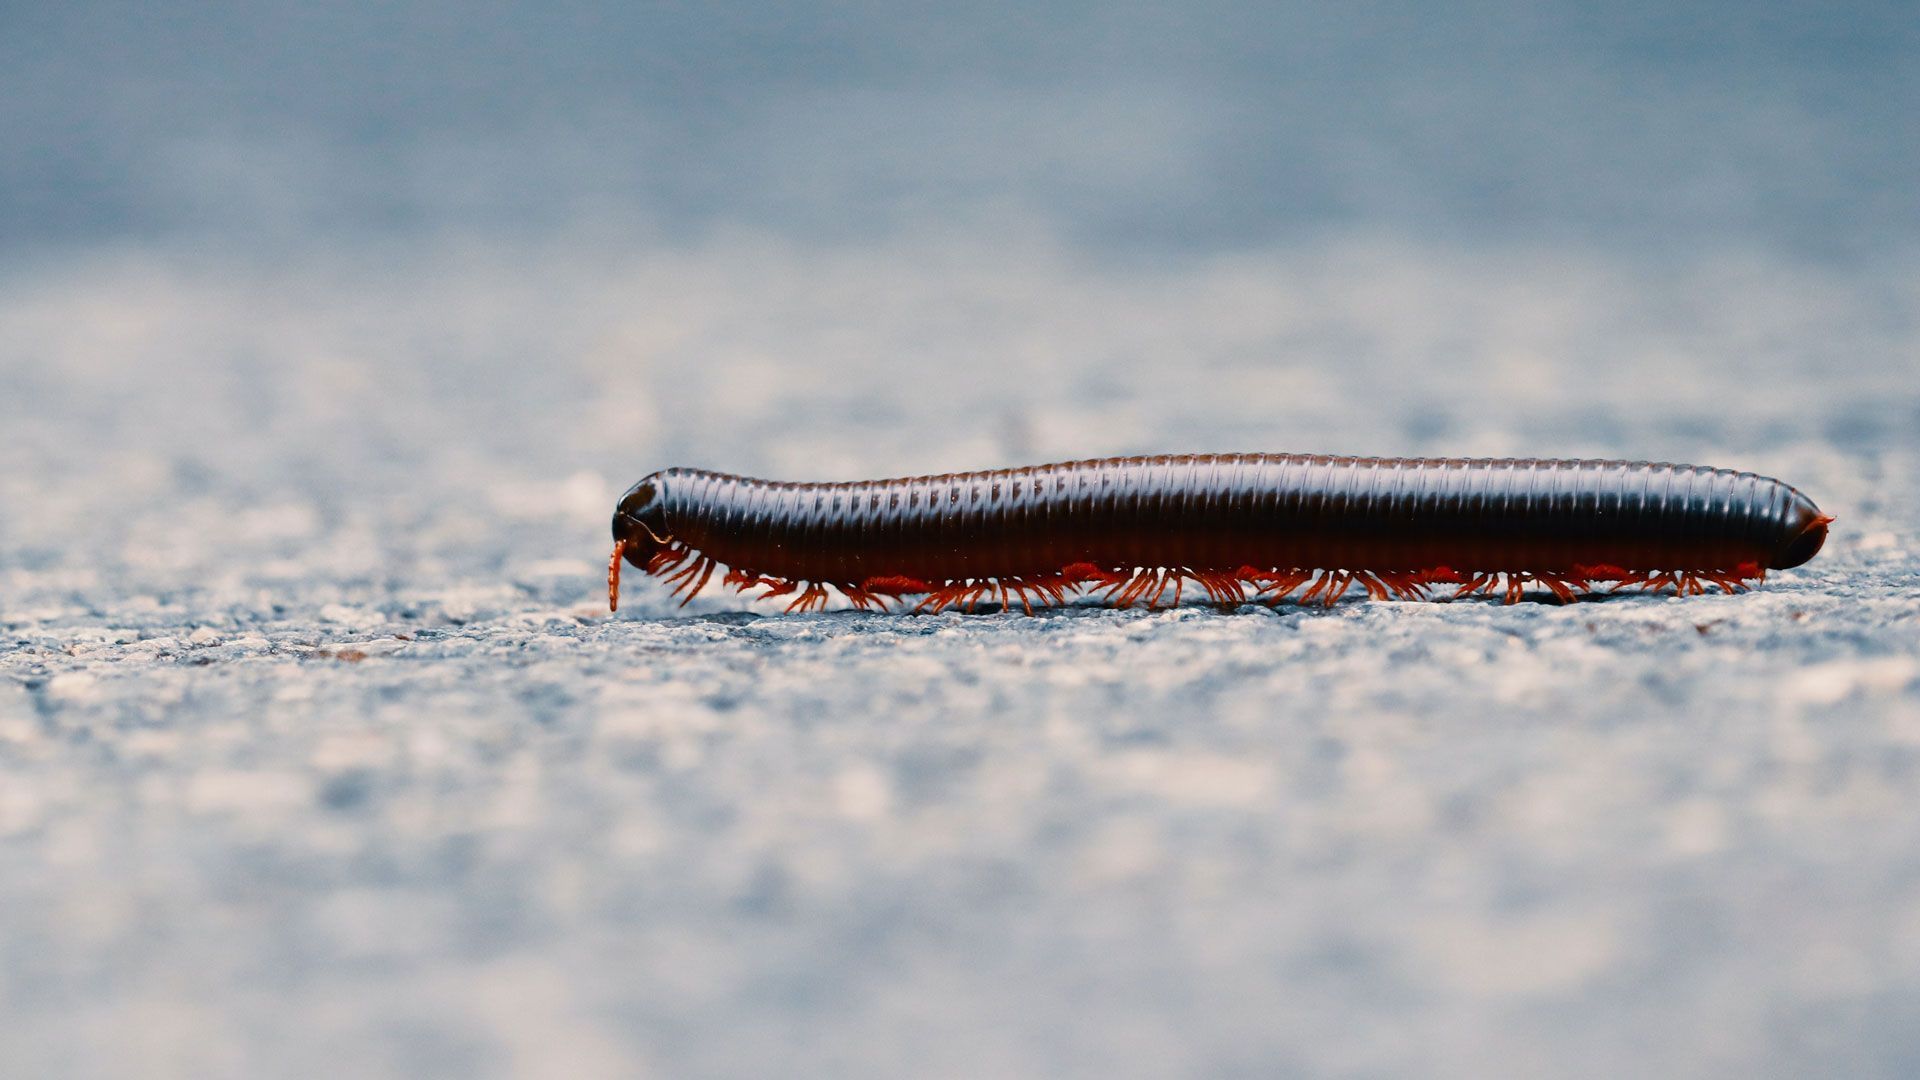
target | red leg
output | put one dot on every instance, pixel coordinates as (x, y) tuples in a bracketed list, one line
[(1558, 586)]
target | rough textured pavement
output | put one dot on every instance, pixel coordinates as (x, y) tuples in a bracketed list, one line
[(319, 754)]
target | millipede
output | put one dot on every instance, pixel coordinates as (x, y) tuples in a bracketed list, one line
[(1239, 527)]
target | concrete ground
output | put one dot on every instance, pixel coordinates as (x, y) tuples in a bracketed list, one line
[(319, 753)]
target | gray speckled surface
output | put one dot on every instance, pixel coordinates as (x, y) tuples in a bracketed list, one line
[(319, 754)]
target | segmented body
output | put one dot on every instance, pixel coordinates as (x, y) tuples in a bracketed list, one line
[(1264, 526)]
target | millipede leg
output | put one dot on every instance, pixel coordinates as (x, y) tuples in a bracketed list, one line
[(1149, 590), (1055, 589), (1279, 585), (1478, 583), (1161, 580), (1127, 591), (1403, 585), (1149, 582), (812, 597), (1020, 590), (1558, 586), (862, 598), (1729, 582), (705, 567), (1325, 589), (776, 587)]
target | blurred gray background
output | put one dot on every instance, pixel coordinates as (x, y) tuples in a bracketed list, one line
[(330, 333), (1634, 127)]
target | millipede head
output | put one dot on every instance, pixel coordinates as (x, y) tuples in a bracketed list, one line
[(640, 523)]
